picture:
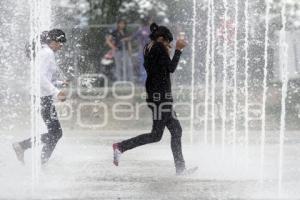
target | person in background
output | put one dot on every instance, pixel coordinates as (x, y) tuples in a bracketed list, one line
[(119, 42), (142, 36), (51, 42)]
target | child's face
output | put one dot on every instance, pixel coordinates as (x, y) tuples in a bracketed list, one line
[(55, 46)]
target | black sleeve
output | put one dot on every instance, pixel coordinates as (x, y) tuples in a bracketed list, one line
[(164, 58)]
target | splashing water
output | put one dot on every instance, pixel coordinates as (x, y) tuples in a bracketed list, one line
[(263, 116), (35, 91), (193, 72), (40, 13), (234, 120), (224, 81), (246, 89), (213, 73), (284, 78), (207, 70), (254, 154), (230, 60)]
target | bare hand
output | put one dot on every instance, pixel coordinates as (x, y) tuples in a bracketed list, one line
[(180, 44), (61, 96)]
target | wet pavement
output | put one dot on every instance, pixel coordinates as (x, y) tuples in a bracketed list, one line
[(81, 168)]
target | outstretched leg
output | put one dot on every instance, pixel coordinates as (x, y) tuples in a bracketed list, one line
[(155, 136)]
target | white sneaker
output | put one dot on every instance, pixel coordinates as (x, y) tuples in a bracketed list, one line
[(117, 154), (19, 152)]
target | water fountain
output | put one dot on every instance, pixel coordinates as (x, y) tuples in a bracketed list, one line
[(193, 71), (284, 79), (235, 68), (213, 72), (207, 71), (242, 146), (40, 20), (224, 81), (231, 82), (265, 89), (246, 91)]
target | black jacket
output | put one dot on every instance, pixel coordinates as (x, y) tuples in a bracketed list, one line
[(159, 66)]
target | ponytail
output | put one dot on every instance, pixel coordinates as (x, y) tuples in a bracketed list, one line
[(160, 31)]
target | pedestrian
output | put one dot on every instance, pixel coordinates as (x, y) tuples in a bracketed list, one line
[(159, 66), (51, 42), (119, 42)]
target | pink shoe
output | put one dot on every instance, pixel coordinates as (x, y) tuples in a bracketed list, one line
[(117, 154)]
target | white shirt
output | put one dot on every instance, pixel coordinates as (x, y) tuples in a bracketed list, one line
[(48, 69)]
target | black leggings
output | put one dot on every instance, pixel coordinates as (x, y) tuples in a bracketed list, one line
[(51, 138), (161, 119)]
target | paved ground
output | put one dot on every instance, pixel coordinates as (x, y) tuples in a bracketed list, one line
[(81, 168)]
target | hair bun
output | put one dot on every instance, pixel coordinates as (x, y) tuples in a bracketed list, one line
[(153, 27)]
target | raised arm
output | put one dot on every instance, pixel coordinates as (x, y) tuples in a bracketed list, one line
[(164, 58), (166, 61)]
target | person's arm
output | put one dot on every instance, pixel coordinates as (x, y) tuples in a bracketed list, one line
[(60, 79), (110, 43), (129, 48), (164, 58)]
